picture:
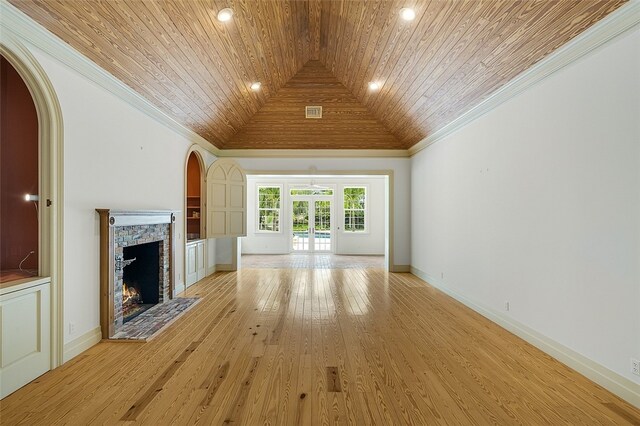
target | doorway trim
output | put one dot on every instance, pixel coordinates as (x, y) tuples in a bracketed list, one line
[(311, 200), (390, 265), (51, 147)]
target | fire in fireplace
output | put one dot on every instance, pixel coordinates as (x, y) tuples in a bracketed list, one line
[(141, 279)]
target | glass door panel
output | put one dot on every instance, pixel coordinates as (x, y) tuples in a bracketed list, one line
[(300, 225), (321, 234)]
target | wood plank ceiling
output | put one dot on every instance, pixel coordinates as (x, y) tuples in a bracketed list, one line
[(432, 69)]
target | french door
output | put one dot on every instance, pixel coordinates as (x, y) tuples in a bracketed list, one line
[(311, 224)]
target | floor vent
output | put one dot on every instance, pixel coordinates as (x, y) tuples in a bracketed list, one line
[(313, 111)]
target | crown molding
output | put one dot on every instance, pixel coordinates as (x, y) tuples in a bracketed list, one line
[(314, 153), (625, 18), (17, 25)]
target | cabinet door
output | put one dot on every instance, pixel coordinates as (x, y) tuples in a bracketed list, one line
[(200, 267), (192, 270), (25, 337), (226, 200)]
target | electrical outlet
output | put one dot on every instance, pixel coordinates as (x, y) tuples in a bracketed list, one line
[(635, 366), (441, 275), (72, 327), (506, 306)]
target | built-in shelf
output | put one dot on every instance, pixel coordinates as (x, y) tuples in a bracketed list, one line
[(194, 208)]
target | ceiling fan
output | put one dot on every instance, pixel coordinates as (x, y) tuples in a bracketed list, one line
[(313, 185)]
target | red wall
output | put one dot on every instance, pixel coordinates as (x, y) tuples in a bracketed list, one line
[(193, 188), (18, 171), (193, 175)]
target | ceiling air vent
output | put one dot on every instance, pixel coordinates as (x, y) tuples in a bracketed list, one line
[(313, 111)]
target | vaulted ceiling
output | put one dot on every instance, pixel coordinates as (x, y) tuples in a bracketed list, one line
[(454, 54)]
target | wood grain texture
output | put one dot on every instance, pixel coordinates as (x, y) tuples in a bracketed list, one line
[(433, 69), (281, 122), (451, 57), (354, 346)]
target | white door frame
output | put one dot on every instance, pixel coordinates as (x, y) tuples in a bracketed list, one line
[(312, 213)]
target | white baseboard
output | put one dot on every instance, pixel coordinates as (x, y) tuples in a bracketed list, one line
[(260, 253), (400, 268), (81, 344), (211, 270), (226, 267), (179, 288), (614, 382)]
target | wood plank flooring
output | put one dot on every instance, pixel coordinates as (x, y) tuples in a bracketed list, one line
[(311, 261), (325, 346)]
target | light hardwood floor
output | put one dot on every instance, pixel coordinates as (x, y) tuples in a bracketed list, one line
[(311, 261), (296, 346)]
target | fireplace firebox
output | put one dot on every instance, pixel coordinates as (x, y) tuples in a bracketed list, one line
[(140, 279)]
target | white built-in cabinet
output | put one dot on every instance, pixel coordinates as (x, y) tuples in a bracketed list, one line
[(25, 334), (196, 267), (226, 200), (226, 213)]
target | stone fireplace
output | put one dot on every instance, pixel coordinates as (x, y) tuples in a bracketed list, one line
[(136, 264)]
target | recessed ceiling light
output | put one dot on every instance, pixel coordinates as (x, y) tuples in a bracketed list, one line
[(374, 85), (407, 14), (225, 14), (256, 86)]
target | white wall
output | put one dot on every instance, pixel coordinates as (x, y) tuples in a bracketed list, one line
[(401, 187), (538, 203), (114, 157), (370, 242)]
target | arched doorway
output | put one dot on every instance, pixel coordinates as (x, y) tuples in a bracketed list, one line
[(48, 195)]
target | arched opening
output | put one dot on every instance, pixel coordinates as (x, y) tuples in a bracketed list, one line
[(194, 177), (195, 241), (19, 169), (36, 300)]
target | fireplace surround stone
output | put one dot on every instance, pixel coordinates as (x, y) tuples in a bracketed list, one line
[(120, 229)]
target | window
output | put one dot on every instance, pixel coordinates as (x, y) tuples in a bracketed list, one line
[(355, 205), (268, 209), (302, 191)]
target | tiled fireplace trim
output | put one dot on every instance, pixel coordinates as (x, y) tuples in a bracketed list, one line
[(119, 229), (125, 236)]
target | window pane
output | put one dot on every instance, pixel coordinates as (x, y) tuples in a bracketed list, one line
[(269, 208), (354, 198), (269, 198), (354, 220), (269, 220), (354, 209), (311, 191)]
